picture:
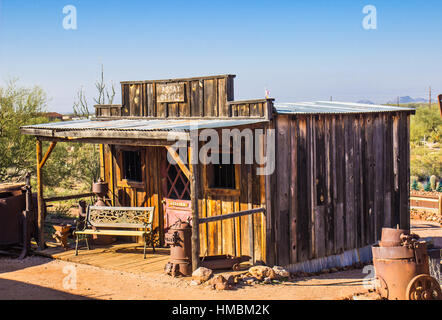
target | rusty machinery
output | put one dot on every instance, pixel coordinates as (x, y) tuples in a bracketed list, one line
[(18, 215), (402, 267), (179, 239)]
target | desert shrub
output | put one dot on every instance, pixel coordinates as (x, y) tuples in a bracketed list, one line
[(19, 106), (415, 185)]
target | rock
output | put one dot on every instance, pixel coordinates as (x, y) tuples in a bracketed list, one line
[(219, 282), (334, 270), (261, 272), (168, 268), (281, 272), (195, 282), (202, 274), (267, 281), (249, 280)]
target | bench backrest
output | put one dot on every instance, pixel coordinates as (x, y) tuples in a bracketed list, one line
[(120, 217)]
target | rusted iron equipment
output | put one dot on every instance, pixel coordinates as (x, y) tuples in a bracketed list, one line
[(222, 262), (179, 239), (61, 234), (18, 218), (402, 267), (100, 189)]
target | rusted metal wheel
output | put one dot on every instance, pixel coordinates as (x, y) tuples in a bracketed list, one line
[(236, 267), (424, 287), (381, 287)]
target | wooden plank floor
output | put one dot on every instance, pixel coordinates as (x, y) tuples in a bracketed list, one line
[(122, 257)]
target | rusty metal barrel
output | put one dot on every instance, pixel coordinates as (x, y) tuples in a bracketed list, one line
[(179, 239), (402, 267)]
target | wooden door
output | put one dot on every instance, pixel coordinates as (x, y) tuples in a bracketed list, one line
[(176, 191)]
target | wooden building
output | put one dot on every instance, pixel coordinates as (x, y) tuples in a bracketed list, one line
[(341, 170)]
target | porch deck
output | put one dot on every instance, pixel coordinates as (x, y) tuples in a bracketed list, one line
[(126, 257)]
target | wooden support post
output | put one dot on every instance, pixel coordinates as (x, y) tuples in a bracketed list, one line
[(47, 154), (195, 216), (179, 162), (102, 161), (40, 205)]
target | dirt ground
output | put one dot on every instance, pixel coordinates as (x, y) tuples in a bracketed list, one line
[(43, 278)]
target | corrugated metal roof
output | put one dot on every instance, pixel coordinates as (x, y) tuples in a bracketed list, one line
[(142, 125), (334, 107)]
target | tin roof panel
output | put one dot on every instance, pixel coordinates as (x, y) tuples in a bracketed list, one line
[(332, 107)]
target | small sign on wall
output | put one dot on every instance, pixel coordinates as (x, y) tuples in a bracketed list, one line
[(170, 92)]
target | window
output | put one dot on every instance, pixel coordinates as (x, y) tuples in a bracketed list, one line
[(132, 166), (223, 175)]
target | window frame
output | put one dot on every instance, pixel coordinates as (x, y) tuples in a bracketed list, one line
[(125, 183), (207, 176)]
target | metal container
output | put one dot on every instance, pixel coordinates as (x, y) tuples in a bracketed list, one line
[(100, 188), (18, 215), (402, 271), (392, 237), (179, 239)]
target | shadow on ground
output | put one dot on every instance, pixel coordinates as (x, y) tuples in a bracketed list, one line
[(16, 290)]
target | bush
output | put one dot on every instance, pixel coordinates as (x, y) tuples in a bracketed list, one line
[(19, 106), (425, 162), (415, 185), (426, 124)]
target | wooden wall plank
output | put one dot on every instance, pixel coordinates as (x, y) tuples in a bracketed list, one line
[(293, 216), (396, 197), (210, 101), (222, 97), (319, 200), (404, 176), (283, 181), (388, 172), (303, 222), (379, 176), (369, 185), (329, 168)]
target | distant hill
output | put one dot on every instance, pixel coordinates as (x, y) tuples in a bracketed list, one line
[(408, 99)]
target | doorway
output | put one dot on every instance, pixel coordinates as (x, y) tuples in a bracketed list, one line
[(176, 195)]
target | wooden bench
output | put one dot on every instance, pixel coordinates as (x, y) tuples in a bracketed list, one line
[(114, 219)]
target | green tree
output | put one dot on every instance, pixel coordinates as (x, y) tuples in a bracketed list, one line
[(426, 124), (425, 161), (18, 106)]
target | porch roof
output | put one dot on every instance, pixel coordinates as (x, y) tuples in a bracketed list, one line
[(130, 128)]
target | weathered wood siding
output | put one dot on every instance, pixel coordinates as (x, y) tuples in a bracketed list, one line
[(339, 180), (202, 97), (242, 235)]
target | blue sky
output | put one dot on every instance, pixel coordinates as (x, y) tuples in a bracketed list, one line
[(299, 50)]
